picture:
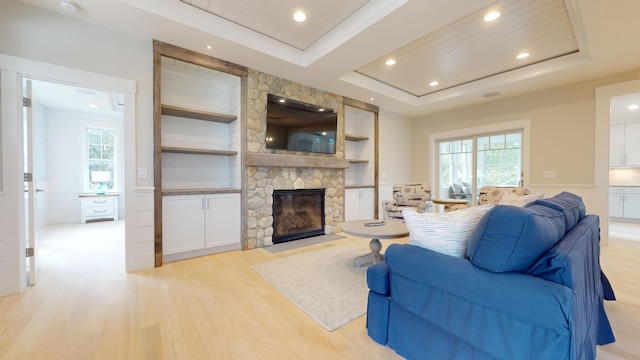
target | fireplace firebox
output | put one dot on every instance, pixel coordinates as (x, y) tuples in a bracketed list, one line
[(297, 214)]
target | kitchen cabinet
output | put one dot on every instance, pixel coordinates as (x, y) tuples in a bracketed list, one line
[(359, 204), (200, 223), (624, 202), (624, 145)]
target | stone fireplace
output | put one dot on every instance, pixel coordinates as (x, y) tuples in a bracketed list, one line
[(297, 214), (270, 170)]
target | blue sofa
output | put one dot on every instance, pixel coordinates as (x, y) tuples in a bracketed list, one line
[(530, 287)]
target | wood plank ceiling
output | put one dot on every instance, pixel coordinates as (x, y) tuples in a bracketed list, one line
[(472, 49)]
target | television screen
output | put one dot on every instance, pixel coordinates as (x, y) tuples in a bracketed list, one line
[(297, 126)]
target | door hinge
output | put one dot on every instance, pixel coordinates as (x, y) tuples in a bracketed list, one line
[(28, 177), (26, 102), (30, 252)]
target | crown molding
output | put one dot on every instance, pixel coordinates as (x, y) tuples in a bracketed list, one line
[(191, 16)]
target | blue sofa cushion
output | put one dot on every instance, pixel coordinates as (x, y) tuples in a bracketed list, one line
[(569, 204), (511, 238)]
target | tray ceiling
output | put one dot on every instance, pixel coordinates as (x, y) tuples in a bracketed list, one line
[(274, 18), (342, 47), (471, 48)]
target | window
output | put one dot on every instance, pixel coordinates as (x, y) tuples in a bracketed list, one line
[(499, 159), (467, 164), (100, 165)]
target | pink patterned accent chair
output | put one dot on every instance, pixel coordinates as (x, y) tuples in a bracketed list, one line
[(416, 196)]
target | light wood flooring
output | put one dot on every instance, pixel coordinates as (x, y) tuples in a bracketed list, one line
[(86, 307)]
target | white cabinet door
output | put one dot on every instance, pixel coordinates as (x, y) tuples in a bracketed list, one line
[(223, 220), (182, 223), (366, 203), (351, 204), (616, 145), (358, 204), (632, 206), (632, 144), (615, 205)]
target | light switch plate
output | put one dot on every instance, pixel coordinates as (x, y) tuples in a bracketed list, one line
[(142, 173)]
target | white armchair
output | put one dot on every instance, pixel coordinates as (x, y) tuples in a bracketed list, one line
[(415, 196)]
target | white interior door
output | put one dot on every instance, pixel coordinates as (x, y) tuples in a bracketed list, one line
[(30, 189)]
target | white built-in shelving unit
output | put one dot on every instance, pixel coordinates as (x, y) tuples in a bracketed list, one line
[(198, 153), (361, 146)]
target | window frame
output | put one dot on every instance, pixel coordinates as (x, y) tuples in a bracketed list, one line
[(523, 126), (85, 183)]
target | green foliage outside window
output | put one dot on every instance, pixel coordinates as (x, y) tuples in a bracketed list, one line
[(498, 160)]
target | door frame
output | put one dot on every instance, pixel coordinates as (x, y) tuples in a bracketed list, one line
[(14, 69), (601, 161)]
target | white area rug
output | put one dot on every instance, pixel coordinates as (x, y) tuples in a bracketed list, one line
[(292, 245), (323, 283)]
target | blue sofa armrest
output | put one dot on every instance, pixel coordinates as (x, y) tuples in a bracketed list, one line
[(378, 302), (507, 315), (378, 278)]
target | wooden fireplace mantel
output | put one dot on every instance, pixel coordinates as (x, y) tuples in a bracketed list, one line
[(284, 160)]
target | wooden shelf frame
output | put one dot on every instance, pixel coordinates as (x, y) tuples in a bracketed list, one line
[(358, 161), (350, 137), (188, 113), (204, 191), (180, 150), (161, 49)]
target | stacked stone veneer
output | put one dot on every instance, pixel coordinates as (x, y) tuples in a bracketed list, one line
[(261, 181)]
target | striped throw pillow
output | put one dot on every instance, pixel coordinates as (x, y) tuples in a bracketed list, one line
[(448, 232)]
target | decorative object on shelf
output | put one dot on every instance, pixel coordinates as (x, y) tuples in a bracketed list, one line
[(100, 178)]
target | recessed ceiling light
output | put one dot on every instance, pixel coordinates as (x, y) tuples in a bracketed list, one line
[(492, 16), (371, 99), (69, 6), (299, 16), (209, 47), (93, 106), (633, 107), (390, 62), (433, 83), (523, 55)]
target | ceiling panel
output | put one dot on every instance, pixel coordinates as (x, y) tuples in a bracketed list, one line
[(472, 49), (274, 18), (68, 97)]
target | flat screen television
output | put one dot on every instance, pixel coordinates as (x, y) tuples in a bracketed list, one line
[(297, 126)]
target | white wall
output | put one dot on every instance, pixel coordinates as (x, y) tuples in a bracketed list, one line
[(32, 33), (395, 154), (64, 160), (56, 47)]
